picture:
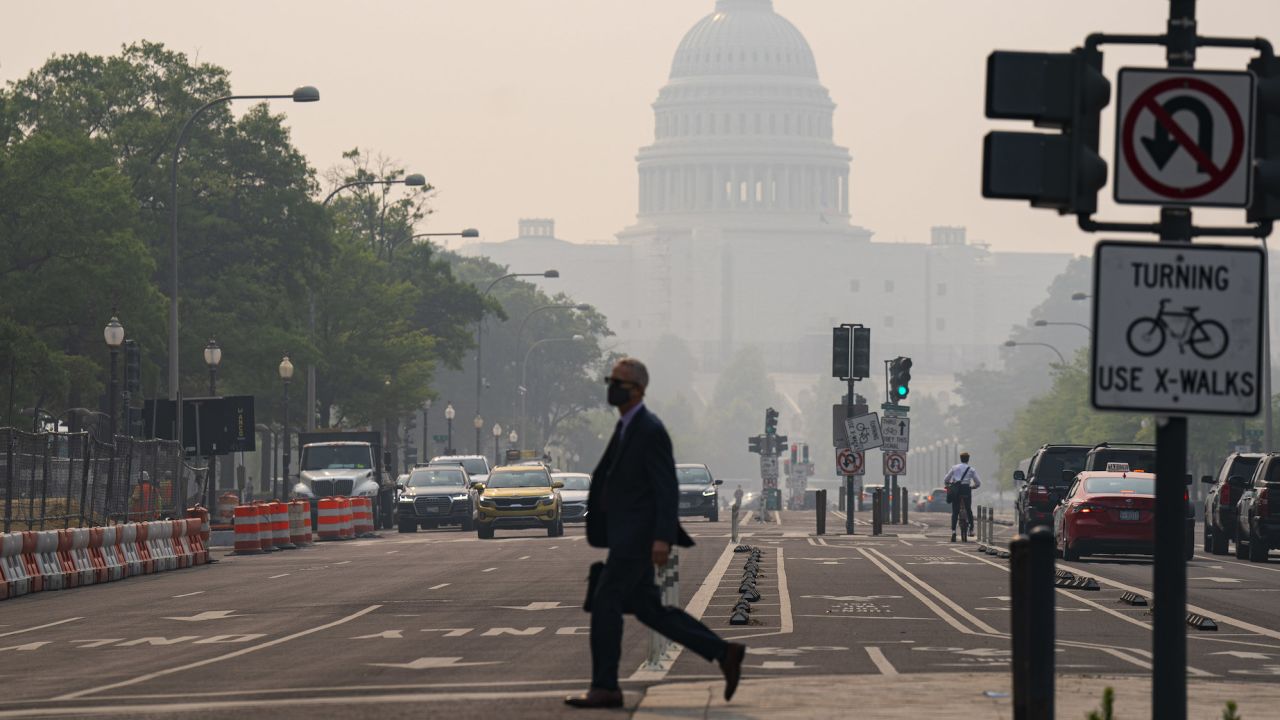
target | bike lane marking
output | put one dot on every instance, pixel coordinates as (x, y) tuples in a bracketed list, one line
[(880, 661), (39, 627), (982, 626), (943, 614)]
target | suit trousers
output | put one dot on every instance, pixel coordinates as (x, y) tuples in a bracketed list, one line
[(964, 500), (627, 586)]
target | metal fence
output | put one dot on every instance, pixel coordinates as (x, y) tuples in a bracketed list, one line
[(62, 480)]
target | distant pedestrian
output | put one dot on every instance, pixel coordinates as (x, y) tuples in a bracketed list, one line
[(960, 482), (737, 496), (632, 510)]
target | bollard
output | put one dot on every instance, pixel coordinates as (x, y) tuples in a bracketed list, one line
[(820, 504), (1032, 603), (733, 523), (904, 505), (840, 499), (849, 505), (877, 511)]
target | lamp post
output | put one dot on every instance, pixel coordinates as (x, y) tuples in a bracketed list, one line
[(524, 382), (449, 414), (426, 413), (514, 439), (113, 333), (305, 93), (286, 375), (480, 323), (410, 180), (583, 307), (467, 233), (1014, 343), (212, 358), (478, 422), (497, 436), (1047, 323)]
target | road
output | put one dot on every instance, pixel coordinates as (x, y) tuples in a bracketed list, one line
[(445, 622)]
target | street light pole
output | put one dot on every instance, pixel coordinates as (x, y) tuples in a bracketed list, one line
[(113, 334), (426, 413), (497, 435), (212, 358), (524, 381), (480, 323), (478, 423), (449, 414), (1046, 323), (305, 93), (286, 375), (1015, 343)]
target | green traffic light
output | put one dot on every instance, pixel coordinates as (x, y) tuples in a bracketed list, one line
[(902, 391)]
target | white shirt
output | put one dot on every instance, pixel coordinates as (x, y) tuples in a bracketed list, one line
[(963, 474)]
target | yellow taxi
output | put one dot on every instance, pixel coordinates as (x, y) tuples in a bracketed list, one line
[(519, 497)]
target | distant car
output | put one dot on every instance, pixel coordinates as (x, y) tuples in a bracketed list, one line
[(436, 495), (1110, 512), (1048, 475), (519, 497), (934, 501), (573, 496), (1220, 503), (699, 493), (477, 466), (1140, 457), (1258, 512)]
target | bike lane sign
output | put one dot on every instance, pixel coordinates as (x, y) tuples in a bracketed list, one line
[(1177, 328)]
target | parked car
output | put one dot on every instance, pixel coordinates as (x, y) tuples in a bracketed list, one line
[(1220, 504), (1140, 457), (573, 496), (1112, 512), (1258, 512), (699, 492), (934, 501), (436, 495), (519, 497), (1041, 487)]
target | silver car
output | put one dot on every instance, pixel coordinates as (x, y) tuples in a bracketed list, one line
[(573, 496)]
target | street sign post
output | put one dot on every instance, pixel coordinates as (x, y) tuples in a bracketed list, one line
[(1184, 137), (863, 432), (1178, 328), (896, 434), (895, 463), (850, 463)]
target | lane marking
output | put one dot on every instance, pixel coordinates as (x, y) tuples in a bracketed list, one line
[(344, 562), (1126, 657), (209, 661), (1237, 563), (554, 547), (488, 570), (944, 615), (39, 627), (273, 577), (881, 662), (441, 585), (198, 592), (524, 557), (958, 607)]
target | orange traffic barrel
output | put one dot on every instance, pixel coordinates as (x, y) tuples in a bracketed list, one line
[(226, 510), (347, 524), (266, 540), (297, 532), (247, 530), (329, 519), (306, 521), (362, 516), (280, 526)]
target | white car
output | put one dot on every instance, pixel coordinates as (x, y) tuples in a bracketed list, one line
[(477, 466), (573, 496)]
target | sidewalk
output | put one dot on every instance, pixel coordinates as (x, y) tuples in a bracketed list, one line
[(937, 696)]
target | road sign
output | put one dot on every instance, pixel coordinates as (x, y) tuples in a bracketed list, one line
[(440, 438), (895, 463), (850, 463), (896, 433), (1184, 137), (1177, 328), (863, 432), (769, 467)]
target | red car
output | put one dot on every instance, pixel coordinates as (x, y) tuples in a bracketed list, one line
[(1107, 512)]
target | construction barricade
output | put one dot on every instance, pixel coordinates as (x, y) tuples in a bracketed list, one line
[(247, 531), (362, 517), (280, 539), (329, 519), (298, 510), (347, 527), (266, 540)]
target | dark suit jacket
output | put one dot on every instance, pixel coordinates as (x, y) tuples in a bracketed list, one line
[(634, 495)]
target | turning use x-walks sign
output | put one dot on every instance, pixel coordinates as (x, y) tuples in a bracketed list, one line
[(1184, 137)]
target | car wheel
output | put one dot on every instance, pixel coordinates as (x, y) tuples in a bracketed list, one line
[(408, 526), (1208, 539), (1242, 549), (1069, 553), (1189, 551), (468, 522), (714, 516), (1257, 549), (560, 527), (1220, 543), (484, 533), (551, 530)]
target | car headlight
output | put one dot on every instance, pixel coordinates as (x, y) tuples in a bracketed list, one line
[(547, 499), (462, 496)]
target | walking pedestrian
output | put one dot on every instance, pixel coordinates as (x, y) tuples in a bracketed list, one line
[(632, 510), (960, 483)]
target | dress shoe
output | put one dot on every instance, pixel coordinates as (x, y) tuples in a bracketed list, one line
[(731, 666), (596, 698)]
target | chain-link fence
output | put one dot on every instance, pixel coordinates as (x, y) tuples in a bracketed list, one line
[(61, 480)]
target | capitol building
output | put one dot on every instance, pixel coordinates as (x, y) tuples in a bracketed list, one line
[(744, 234)]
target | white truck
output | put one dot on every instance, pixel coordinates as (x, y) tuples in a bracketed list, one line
[(345, 464)]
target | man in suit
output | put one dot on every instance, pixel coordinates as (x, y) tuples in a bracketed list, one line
[(632, 511)]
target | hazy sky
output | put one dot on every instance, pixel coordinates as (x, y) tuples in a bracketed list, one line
[(533, 108)]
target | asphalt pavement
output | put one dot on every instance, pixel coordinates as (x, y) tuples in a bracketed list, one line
[(442, 622)]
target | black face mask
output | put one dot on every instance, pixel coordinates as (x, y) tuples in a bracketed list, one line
[(619, 394)]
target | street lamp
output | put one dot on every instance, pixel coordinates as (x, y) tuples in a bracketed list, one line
[(514, 439), (286, 375), (113, 333), (479, 424), (212, 358), (426, 414), (583, 307), (480, 322), (305, 93), (1014, 343), (1047, 323), (410, 180), (467, 233), (524, 382), (449, 414), (497, 435)]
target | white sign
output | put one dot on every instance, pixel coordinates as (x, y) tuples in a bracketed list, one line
[(769, 467), (850, 463), (863, 432), (1177, 328), (895, 463), (1184, 137), (896, 432)]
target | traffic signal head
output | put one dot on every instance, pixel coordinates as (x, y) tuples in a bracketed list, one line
[(900, 378), (1064, 91), (754, 445), (795, 453), (806, 453), (779, 444), (840, 345), (862, 352), (1266, 141), (770, 422)]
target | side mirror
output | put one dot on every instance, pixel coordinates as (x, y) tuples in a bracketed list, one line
[(400, 487), (478, 486), (1019, 476), (557, 484), (719, 482), (1207, 479)]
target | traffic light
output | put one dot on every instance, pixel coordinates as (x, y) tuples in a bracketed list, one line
[(770, 422), (862, 352), (132, 368), (755, 445), (900, 379), (778, 445), (840, 345), (1064, 91), (1266, 141), (795, 453), (806, 453)]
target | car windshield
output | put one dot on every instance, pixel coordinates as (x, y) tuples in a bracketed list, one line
[(518, 479), (693, 476), (1244, 467), (1136, 459), (435, 478), (575, 482), (1121, 485), (1053, 462), (473, 466), (336, 457)]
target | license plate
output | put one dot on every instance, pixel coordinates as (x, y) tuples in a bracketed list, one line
[(1128, 514), (683, 505), (432, 509)]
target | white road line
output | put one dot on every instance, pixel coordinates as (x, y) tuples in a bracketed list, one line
[(488, 570), (881, 662), (198, 592), (946, 617), (273, 577), (955, 605), (209, 661), (441, 585), (344, 562), (392, 552), (524, 557), (786, 623), (39, 627), (1216, 559), (553, 547), (1126, 657), (696, 607)]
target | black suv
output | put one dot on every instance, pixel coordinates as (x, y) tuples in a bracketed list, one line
[(1258, 512), (699, 492), (1047, 478), (1220, 504), (1139, 457), (435, 495)]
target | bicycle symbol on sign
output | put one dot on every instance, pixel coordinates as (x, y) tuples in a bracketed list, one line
[(1206, 338)]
